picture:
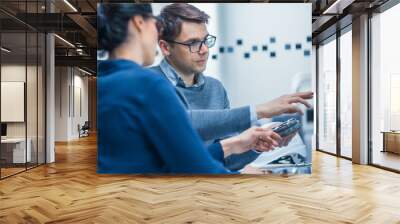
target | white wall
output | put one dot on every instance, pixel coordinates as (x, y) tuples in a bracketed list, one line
[(81, 84), (61, 103), (13, 73), (12, 101), (70, 83), (33, 126), (262, 78), (16, 72)]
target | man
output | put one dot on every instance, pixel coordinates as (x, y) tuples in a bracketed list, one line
[(184, 42)]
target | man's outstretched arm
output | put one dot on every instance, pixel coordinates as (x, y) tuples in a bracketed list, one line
[(217, 124)]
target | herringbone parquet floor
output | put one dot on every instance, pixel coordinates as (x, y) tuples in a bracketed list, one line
[(70, 191)]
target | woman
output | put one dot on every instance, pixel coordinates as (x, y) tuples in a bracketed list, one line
[(142, 127)]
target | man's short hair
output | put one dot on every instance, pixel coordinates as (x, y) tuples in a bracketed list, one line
[(172, 16)]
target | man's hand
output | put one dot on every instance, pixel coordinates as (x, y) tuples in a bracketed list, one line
[(284, 140), (261, 139), (284, 104)]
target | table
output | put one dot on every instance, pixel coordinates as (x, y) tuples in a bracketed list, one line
[(13, 150), (391, 141)]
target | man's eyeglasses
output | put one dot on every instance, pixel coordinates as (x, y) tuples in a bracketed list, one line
[(195, 47)]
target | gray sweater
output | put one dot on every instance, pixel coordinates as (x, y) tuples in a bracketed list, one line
[(219, 120)]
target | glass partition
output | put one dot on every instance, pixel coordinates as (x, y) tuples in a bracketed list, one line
[(327, 96), (22, 88), (346, 94), (385, 89), (15, 149)]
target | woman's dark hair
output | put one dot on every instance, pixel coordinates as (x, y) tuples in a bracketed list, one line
[(172, 16), (112, 22)]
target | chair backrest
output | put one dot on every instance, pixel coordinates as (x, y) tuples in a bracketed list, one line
[(86, 125)]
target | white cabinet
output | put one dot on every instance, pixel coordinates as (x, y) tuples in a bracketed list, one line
[(19, 155)]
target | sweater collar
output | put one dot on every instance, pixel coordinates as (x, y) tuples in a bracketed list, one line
[(176, 80)]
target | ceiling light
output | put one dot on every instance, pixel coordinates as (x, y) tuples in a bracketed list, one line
[(70, 5), (5, 50), (86, 72), (338, 6), (65, 41)]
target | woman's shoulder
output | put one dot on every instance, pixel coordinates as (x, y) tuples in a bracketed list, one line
[(133, 78), (148, 80), (152, 76), (126, 69), (140, 75)]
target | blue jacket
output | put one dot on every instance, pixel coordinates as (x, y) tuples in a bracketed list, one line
[(143, 127)]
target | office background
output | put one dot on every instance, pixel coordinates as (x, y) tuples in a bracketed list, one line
[(36, 77), (335, 116), (340, 190)]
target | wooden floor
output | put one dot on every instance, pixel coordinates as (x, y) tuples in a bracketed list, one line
[(10, 171), (70, 191), (387, 159), (5, 172)]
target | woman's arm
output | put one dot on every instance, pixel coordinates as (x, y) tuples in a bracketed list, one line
[(168, 127)]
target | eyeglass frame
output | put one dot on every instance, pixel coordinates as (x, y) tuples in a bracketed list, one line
[(190, 45)]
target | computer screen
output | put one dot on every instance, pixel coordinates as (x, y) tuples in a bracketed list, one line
[(3, 129)]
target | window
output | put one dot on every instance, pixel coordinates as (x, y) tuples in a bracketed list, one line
[(327, 97), (385, 89), (346, 94)]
